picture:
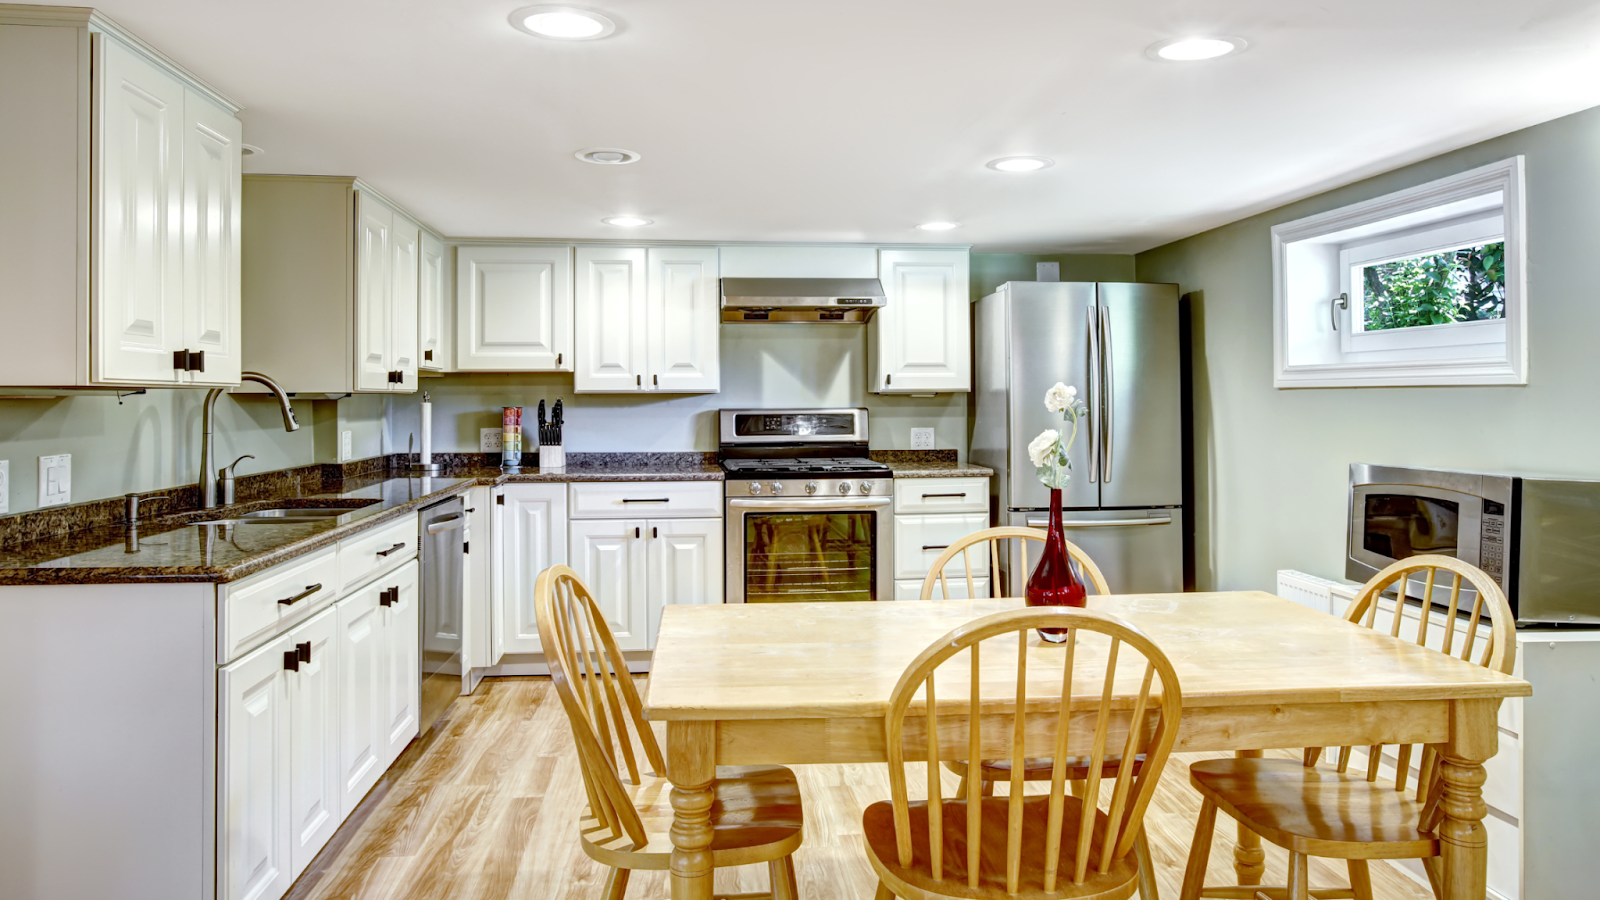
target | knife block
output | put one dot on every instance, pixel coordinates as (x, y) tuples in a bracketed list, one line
[(552, 456)]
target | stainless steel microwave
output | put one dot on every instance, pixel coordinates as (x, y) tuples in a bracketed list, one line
[(1538, 538)]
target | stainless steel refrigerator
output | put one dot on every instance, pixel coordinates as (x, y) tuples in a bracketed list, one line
[(1118, 344)]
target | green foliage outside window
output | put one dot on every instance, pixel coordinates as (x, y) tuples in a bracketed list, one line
[(1466, 285)]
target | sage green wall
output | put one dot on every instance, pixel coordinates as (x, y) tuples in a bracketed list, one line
[(1272, 466), (990, 270), (151, 441)]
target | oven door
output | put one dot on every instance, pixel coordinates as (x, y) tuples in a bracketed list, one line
[(791, 551), (1391, 522)]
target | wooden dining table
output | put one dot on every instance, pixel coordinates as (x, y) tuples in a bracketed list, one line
[(803, 683)]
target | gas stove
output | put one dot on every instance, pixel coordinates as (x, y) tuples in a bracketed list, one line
[(805, 467)]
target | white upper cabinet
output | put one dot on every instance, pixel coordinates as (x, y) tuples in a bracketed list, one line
[(921, 342), (514, 308), (609, 314), (647, 319), (334, 252), (683, 320), (212, 137), (122, 172), (433, 303)]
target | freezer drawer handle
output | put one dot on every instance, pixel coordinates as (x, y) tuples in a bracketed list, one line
[(1104, 523), (933, 496), (310, 589), (399, 546)]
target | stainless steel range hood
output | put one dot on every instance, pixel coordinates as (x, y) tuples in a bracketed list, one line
[(801, 299)]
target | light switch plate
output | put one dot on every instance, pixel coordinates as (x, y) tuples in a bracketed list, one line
[(5, 486), (922, 438), (55, 480), (344, 446), (489, 440)]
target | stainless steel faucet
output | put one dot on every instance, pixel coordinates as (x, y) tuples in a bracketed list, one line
[(208, 482)]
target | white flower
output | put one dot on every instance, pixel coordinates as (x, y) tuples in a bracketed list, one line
[(1042, 449), (1060, 397)]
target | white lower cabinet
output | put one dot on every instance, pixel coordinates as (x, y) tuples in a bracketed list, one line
[(378, 693), (685, 562), (401, 684), (610, 556), (279, 770), (530, 534), (930, 514)]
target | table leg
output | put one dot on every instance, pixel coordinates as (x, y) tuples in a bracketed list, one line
[(1249, 860), (1463, 842), (692, 768)]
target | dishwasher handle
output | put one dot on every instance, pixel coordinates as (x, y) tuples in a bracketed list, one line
[(446, 523)]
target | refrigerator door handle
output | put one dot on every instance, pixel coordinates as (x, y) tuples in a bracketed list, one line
[(1108, 389), (1094, 396), (1101, 523)]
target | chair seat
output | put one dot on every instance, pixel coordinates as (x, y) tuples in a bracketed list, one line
[(1042, 769), (916, 881), (1316, 811), (755, 817)]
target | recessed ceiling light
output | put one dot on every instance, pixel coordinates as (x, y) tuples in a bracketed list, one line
[(1020, 163), (607, 156), (1194, 49), (564, 23), (626, 221), (939, 226), (251, 150)]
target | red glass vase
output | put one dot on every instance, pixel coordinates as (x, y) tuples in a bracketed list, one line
[(1053, 583)]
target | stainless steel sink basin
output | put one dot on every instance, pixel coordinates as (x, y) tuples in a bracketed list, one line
[(289, 515)]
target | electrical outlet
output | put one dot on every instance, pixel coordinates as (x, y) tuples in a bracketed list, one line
[(489, 440), (345, 451), (55, 480), (5, 486), (922, 438)]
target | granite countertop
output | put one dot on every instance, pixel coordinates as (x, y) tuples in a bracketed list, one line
[(602, 467), (929, 464)]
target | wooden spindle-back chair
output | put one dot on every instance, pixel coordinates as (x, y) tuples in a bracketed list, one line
[(756, 817), (1312, 811), (1093, 697), (995, 541)]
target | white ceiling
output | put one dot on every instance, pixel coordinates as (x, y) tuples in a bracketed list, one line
[(854, 120)]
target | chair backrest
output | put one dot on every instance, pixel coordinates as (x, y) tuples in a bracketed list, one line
[(1073, 716), (599, 697), (1459, 638), (995, 540)]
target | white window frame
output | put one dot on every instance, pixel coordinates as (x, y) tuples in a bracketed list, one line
[(1316, 343)]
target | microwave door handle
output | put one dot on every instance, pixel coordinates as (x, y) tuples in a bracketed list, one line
[(1094, 395), (1108, 390)]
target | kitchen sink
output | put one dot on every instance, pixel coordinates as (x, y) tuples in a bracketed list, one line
[(287, 515)]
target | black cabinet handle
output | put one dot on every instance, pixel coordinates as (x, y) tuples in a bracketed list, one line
[(197, 361), (472, 509), (389, 597), (654, 532), (647, 500), (310, 589), (638, 381), (558, 359), (932, 496), (189, 360), (291, 660), (655, 380), (180, 360), (427, 355), (399, 546), (303, 650), (636, 532), (935, 546)]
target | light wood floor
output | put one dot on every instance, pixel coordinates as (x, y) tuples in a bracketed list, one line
[(486, 808)]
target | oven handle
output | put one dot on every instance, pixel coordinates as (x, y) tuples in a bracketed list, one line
[(812, 505)]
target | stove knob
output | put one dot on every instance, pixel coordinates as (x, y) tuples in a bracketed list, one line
[(755, 487), (866, 487), (811, 487), (844, 487), (777, 487)]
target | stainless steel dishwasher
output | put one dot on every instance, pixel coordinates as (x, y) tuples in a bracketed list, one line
[(443, 592)]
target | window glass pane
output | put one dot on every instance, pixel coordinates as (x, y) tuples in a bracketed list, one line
[(809, 556), (1463, 285), (1397, 526)]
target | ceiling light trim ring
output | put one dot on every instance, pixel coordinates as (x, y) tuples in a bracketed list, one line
[(626, 221), (604, 26), (587, 155), (1020, 164), (1237, 45), (939, 226)]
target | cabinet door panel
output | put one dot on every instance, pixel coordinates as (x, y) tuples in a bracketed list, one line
[(361, 745), (531, 536), (404, 269), (211, 191), (610, 556), (374, 226), (252, 840), (315, 805), (609, 312), (401, 685), (923, 336), (686, 564), (431, 304), (684, 320), (514, 308), (138, 227)]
